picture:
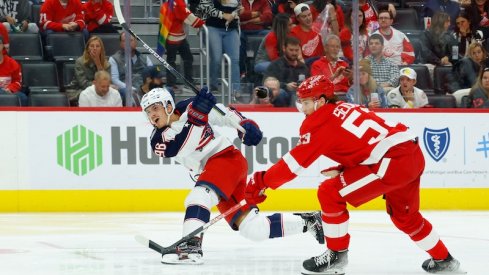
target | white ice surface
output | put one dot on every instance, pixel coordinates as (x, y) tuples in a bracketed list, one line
[(70, 244)]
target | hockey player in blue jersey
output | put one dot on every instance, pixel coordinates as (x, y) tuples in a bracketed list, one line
[(184, 131)]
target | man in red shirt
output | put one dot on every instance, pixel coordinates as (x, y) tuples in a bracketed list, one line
[(375, 157), (311, 41), (10, 76), (329, 65)]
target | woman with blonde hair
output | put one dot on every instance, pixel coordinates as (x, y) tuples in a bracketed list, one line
[(92, 61), (371, 94), (465, 72)]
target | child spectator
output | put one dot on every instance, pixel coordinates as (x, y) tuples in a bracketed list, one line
[(98, 14)]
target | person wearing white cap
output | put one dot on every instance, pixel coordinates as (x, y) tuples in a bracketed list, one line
[(406, 95), (311, 41)]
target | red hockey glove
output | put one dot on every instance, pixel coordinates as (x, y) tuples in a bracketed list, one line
[(332, 171), (255, 189)]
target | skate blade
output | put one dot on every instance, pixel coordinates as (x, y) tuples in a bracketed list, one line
[(334, 271), (193, 259)]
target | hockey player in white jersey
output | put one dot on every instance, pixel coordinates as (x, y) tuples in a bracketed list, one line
[(185, 131)]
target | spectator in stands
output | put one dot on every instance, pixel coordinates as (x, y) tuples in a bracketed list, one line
[(5, 39), (276, 96), (61, 16), (397, 47), (371, 95), (333, 14), (10, 76), (223, 27), (92, 60), (466, 71), (463, 33), (176, 42), (371, 13), (332, 67), (346, 36), (118, 66), (100, 93), (255, 18), (311, 41), (98, 16), (479, 94), (452, 8), (272, 45), (287, 7), (478, 12), (438, 43), (16, 16), (385, 73), (288, 69), (152, 77), (406, 95)]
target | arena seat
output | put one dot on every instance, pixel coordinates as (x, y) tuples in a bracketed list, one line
[(9, 100), (40, 77), (25, 46), (442, 101), (62, 47), (49, 100), (440, 79), (111, 42)]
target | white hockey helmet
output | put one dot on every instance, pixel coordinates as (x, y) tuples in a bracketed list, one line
[(157, 95)]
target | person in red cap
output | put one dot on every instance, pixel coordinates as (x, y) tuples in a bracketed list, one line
[(375, 157)]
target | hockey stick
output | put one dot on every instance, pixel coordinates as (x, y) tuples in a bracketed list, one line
[(169, 249), (122, 21)]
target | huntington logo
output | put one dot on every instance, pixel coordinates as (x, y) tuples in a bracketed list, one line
[(79, 150)]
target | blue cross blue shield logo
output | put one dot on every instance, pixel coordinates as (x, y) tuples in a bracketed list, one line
[(436, 142)]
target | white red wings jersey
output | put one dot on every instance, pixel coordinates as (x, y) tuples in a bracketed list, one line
[(193, 145), (397, 47), (346, 133)]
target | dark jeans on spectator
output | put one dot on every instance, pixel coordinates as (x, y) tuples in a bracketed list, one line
[(244, 46), (171, 56), (21, 95)]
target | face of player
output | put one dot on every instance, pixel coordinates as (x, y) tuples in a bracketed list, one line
[(157, 115), (407, 84), (485, 80), (309, 105), (477, 55), (305, 18)]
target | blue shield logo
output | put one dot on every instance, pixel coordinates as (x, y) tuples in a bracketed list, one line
[(436, 142)]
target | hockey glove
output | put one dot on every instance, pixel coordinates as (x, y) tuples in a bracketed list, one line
[(200, 107), (255, 189), (332, 171), (253, 134)]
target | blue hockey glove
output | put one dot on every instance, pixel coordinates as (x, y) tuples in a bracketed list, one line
[(200, 107), (253, 134)]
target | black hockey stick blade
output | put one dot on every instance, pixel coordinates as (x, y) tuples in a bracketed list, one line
[(171, 249)]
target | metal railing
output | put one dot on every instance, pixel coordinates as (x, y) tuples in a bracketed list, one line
[(226, 83), (204, 53)]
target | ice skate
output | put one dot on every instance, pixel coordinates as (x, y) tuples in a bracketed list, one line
[(314, 224), (330, 262), (448, 266), (187, 253)]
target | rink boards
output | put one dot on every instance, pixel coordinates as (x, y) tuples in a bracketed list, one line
[(99, 160)]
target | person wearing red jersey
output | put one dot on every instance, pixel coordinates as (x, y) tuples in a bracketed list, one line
[(397, 47), (98, 14), (10, 76), (376, 157), (329, 65), (311, 41), (61, 16), (177, 41)]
